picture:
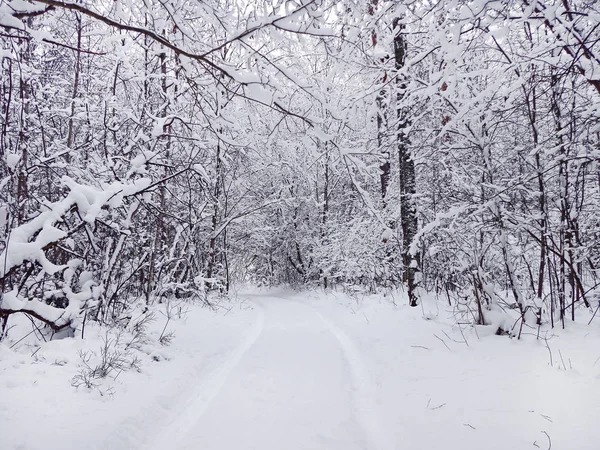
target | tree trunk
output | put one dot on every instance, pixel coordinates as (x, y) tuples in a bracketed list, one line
[(71, 131), (563, 190), (325, 211), (212, 246), (408, 215)]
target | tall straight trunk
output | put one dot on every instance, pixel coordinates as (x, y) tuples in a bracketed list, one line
[(531, 103), (25, 130), (326, 195), (381, 105), (563, 191), (159, 233), (71, 131), (7, 88), (571, 219), (408, 215), (385, 166), (166, 130), (543, 226), (212, 246), (225, 242)]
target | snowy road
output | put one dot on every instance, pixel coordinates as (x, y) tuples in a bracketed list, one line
[(282, 370), (296, 381)]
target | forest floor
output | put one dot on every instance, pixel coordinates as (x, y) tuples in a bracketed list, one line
[(282, 370)]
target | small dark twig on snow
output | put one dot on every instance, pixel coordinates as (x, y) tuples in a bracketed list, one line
[(442, 341), (549, 440)]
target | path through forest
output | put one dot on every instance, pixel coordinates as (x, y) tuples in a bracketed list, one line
[(277, 369), (296, 381)]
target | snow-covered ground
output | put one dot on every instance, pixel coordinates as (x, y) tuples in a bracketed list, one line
[(282, 370)]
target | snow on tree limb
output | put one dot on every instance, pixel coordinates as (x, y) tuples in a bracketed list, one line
[(29, 241)]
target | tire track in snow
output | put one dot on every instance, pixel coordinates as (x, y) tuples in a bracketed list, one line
[(366, 408), (209, 386)]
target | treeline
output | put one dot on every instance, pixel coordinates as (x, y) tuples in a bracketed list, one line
[(154, 149)]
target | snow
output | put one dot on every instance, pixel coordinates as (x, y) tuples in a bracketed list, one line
[(140, 160), (3, 215), (90, 202), (286, 370), (23, 245), (35, 382), (259, 92), (200, 170), (11, 301), (8, 20), (241, 76), (12, 159), (320, 134), (387, 234)]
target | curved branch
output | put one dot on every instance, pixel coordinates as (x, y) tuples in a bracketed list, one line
[(143, 31), (52, 324)]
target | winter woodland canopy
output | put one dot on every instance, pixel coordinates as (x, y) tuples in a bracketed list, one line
[(156, 148)]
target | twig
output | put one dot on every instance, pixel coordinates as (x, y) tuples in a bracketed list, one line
[(595, 312), (561, 358), (463, 336), (549, 440), (164, 328), (454, 340), (442, 341), (32, 331), (435, 407), (549, 351)]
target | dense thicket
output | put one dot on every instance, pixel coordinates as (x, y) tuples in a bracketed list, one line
[(153, 148)]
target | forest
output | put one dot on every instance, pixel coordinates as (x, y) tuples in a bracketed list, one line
[(157, 148), (299, 224)]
